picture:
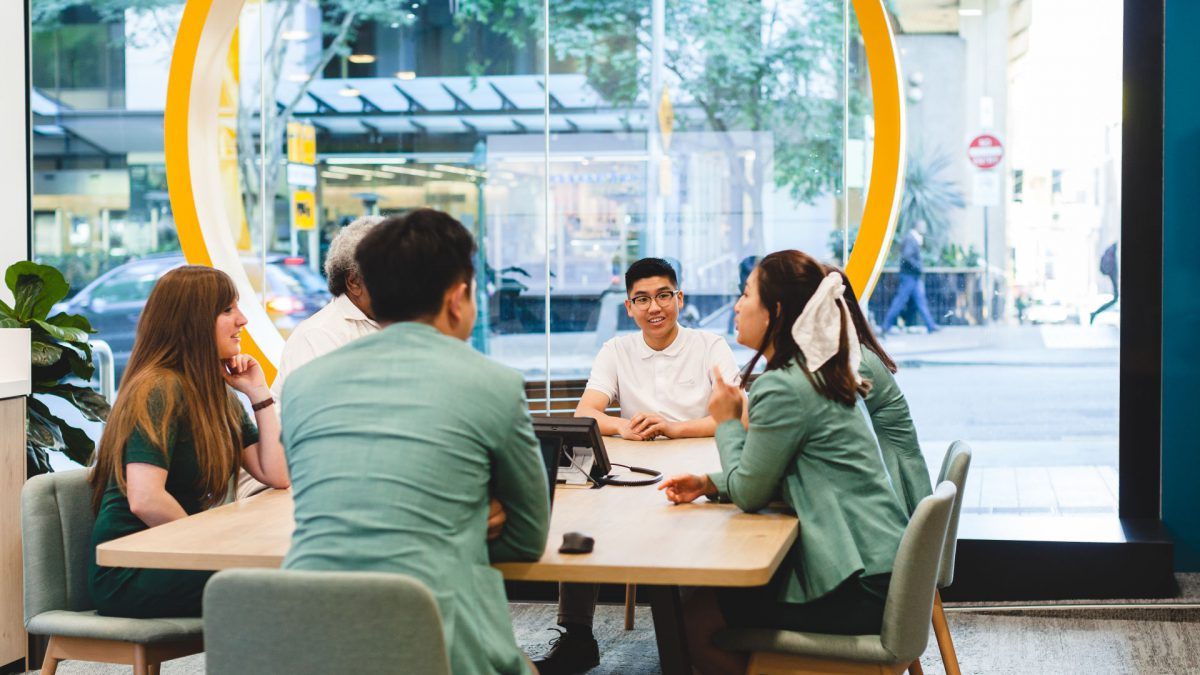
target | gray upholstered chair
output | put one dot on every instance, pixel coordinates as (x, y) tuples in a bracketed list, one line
[(315, 623), (56, 528), (954, 469), (905, 617)]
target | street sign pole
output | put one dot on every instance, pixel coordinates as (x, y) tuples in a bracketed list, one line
[(985, 152), (987, 269)]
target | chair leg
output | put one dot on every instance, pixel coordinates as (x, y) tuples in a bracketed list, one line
[(945, 643), (140, 666), (915, 668), (630, 603), (153, 668), (50, 661)]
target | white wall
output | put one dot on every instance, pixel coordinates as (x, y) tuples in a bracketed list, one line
[(14, 138)]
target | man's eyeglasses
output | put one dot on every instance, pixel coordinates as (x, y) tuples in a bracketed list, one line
[(663, 299)]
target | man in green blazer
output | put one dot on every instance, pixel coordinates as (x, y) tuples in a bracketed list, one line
[(397, 441)]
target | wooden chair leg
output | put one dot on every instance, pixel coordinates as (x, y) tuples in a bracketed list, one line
[(50, 661), (630, 603), (915, 668), (154, 668), (941, 630), (140, 665)]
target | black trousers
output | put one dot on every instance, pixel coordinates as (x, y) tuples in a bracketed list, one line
[(853, 608)]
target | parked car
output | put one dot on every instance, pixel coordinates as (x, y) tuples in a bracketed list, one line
[(114, 301), (1050, 311)]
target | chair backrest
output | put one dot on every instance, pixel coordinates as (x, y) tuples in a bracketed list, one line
[(301, 622), (909, 606), (56, 534), (954, 469)]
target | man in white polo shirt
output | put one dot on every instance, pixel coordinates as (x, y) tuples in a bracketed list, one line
[(345, 319), (662, 379)]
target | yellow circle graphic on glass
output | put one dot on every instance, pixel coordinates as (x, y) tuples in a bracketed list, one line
[(193, 141)]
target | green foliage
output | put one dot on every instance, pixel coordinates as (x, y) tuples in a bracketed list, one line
[(930, 197), (786, 82), (954, 255), (60, 353)]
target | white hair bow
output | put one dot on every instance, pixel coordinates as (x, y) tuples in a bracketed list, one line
[(818, 329)]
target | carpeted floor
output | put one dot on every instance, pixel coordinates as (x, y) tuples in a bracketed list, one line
[(1052, 639)]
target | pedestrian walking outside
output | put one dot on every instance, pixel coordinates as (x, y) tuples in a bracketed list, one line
[(1108, 267), (912, 283)]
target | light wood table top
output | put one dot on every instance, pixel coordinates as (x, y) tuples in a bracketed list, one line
[(640, 536)]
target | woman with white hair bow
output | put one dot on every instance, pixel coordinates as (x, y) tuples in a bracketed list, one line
[(808, 442)]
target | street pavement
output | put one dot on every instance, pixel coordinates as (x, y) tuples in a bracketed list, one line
[(1047, 393), (1037, 404)]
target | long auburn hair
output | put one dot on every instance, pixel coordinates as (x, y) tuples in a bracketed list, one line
[(786, 282), (866, 336), (174, 373)]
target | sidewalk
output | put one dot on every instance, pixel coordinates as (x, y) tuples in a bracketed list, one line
[(1005, 345), (571, 354)]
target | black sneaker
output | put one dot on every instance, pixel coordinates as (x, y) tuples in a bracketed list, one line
[(569, 654)]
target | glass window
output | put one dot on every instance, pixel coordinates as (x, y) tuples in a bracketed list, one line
[(294, 275), (707, 136), (1019, 351), (129, 283)]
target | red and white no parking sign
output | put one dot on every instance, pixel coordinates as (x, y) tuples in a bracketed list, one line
[(985, 151)]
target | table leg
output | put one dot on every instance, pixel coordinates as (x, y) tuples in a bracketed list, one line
[(667, 609)]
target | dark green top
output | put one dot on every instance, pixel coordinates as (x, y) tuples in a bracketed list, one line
[(823, 458), (183, 483), (897, 435), (183, 476)]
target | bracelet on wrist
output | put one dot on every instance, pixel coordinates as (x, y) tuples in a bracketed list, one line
[(265, 403)]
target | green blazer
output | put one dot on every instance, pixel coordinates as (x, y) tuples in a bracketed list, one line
[(395, 443), (823, 458), (897, 436)]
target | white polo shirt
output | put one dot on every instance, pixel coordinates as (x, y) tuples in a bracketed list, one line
[(675, 382), (335, 325)]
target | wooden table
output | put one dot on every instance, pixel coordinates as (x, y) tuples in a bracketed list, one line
[(641, 538)]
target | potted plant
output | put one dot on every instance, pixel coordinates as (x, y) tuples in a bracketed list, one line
[(61, 364)]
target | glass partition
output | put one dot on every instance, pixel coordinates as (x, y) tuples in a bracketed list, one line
[(653, 128), (707, 134)]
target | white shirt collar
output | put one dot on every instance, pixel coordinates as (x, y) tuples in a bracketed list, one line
[(350, 311), (646, 351)]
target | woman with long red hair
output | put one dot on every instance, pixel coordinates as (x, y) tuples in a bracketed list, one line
[(177, 434)]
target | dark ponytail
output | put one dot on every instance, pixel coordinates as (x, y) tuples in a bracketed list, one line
[(786, 282)]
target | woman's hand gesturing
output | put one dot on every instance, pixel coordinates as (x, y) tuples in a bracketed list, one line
[(688, 488), (726, 401)]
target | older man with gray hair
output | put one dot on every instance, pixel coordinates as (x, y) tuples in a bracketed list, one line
[(345, 319)]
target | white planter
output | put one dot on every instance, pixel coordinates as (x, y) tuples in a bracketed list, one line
[(15, 371)]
